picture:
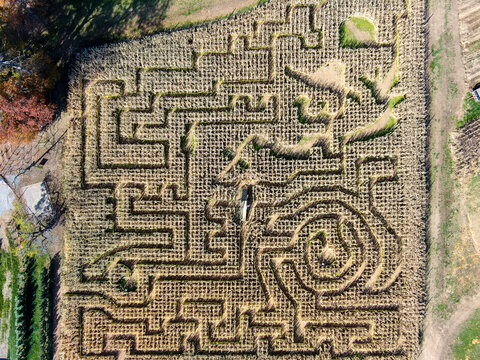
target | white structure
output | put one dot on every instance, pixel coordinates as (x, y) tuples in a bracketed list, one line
[(476, 94), (37, 200), (247, 198)]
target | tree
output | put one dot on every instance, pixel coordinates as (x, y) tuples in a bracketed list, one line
[(27, 73), (24, 109), (19, 28)]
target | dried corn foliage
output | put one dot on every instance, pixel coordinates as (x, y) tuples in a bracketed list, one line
[(326, 144), (469, 16)]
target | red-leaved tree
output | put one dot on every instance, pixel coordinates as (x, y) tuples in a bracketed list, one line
[(23, 110), (27, 73)]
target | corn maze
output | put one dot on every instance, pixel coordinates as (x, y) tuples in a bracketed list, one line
[(250, 188)]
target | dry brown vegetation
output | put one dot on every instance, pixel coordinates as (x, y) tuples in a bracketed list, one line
[(170, 131), (469, 14)]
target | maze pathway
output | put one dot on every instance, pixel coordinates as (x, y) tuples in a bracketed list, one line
[(254, 187)]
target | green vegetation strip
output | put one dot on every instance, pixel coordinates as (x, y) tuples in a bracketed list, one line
[(28, 314), (12, 335)]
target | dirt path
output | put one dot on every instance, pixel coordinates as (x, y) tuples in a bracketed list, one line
[(439, 346), (446, 103)]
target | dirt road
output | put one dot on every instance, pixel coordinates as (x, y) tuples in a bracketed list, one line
[(448, 88)]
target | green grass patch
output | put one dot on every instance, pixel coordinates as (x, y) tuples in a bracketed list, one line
[(467, 345), (387, 129), (347, 37), (436, 55), (368, 133), (4, 303), (442, 311), (436, 64), (457, 279), (364, 24), (471, 108), (301, 103), (189, 7), (307, 139), (373, 85), (394, 101)]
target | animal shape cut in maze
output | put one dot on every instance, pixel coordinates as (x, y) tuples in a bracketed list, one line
[(253, 187)]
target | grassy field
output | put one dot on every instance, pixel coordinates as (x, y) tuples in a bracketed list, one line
[(467, 345)]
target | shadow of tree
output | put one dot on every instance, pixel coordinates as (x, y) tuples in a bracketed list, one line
[(57, 202), (25, 307), (71, 24), (54, 310)]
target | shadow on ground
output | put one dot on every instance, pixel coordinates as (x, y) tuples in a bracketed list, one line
[(71, 24)]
